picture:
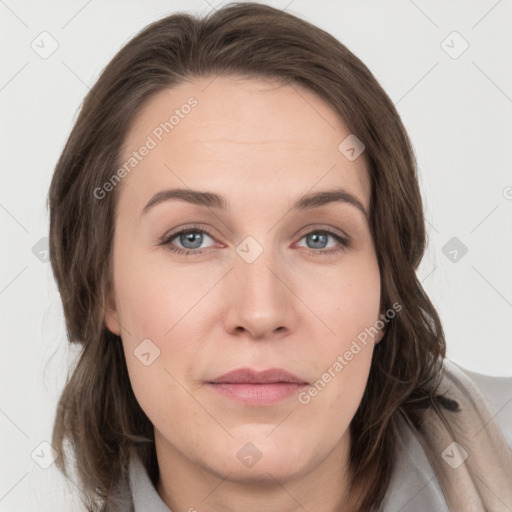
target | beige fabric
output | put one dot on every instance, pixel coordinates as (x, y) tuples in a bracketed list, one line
[(468, 451)]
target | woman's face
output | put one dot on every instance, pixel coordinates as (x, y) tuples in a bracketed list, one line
[(267, 284)]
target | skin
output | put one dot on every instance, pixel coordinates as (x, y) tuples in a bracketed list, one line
[(262, 145)]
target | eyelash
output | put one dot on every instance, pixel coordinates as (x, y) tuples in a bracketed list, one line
[(166, 241)]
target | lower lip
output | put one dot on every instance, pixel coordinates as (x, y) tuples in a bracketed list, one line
[(257, 394)]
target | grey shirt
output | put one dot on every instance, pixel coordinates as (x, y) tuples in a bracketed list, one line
[(414, 486)]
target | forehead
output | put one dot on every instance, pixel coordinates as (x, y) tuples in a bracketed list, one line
[(235, 133)]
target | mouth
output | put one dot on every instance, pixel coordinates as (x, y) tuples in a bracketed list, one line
[(251, 387)]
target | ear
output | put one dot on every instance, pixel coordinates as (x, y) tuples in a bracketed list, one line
[(381, 332), (379, 336), (112, 321), (111, 315)]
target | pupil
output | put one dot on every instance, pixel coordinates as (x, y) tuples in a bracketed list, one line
[(316, 237), (189, 237)]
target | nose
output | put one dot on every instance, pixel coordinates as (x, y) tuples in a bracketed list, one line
[(259, 297)]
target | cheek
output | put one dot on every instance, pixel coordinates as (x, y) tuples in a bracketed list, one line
[(345, 299), (349, 304), (154, 303), (152, 294)]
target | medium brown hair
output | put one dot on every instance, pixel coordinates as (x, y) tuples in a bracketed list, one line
[(97, 413)]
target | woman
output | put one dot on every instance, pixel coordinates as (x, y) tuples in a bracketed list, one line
[(235, 228)]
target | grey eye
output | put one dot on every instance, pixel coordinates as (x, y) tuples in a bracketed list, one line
[(319, 240), (191, 239)]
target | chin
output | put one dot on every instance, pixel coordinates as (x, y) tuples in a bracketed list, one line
[(262, 458)]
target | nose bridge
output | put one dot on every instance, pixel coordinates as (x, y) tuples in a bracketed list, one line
[(258, 269), (261, 301)]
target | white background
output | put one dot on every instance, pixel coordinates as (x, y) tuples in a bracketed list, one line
[(458, 112)]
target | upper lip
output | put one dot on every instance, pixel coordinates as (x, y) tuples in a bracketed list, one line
[(250, 376)]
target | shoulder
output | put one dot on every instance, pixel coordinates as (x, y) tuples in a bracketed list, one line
[(413, 486), (423, 478), (496, 392)]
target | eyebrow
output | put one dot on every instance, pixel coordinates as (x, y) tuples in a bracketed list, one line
[(214, 200)]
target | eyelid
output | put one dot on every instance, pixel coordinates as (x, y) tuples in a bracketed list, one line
[(189, 228), (305, 230)]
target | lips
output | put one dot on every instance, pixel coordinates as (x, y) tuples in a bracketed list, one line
[(250, 376), (251, 387)]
